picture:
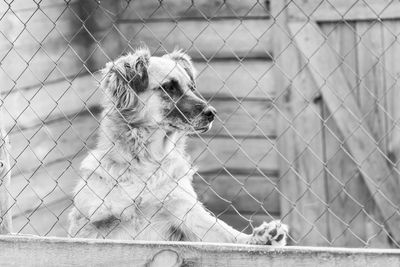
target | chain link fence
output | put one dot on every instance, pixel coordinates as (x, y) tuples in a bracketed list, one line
[(305, 92)]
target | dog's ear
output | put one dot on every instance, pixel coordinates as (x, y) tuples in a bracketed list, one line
[(184, 60), (126, 77), (136, 70)]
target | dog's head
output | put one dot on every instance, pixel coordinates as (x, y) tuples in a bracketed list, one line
[(158, 91)]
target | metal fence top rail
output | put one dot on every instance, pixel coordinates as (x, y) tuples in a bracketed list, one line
[(48, 251)]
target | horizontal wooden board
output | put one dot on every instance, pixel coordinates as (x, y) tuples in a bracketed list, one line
[(249, 79), (252, 119), (50, 183), (246, 193), (214, 153), (25, 108), (387, 11), (32, 25), (203, 39), (27, 67), (155, 9), (232, 78), (62, 139), (19, 6), (41, 251), (340, 9), (51, 220)]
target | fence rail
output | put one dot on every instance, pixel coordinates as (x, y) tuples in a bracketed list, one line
[(82, 252)]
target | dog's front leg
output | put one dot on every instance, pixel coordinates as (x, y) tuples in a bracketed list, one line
[(208, 228)]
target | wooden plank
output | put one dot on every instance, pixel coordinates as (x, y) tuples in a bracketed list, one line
[(33, 25), (339, 10), (49, 184), (392, 69), (356, 224), (49, 220), (233, 78), (44, 144), (241, 153), (308, 191), (352, 226), (373, 105), (81, 252), (284, 74), (230, 38), (29, 67), (21, 5), (26, 108), (252, 119), (5, 177), (246, 193), (302, 180), (202, 9), (362, 10), (349, 119), (372, 85), (342, 39)]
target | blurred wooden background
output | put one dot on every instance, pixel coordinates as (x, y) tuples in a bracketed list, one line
[(50, 88)]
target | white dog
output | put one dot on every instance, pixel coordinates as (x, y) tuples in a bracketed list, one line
[(137, 183)]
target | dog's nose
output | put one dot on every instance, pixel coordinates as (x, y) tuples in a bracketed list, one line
[(209, 112)]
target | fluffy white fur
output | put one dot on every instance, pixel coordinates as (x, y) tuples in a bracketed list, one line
[(137, 182)]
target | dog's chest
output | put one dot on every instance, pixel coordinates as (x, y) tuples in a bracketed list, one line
[(132, 194), (156, 187)]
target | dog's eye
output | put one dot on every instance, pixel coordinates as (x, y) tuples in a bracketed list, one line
[(167, 87), (171, 88)]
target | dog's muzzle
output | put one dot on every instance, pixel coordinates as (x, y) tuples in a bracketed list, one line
[(209, 113), (208, 116)]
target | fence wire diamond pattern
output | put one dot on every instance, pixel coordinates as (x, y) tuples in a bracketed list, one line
[(305, 97)]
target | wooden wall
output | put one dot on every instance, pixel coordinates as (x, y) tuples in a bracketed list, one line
[(49, 58)]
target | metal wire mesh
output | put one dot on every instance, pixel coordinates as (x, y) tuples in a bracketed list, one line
[(259, 162)]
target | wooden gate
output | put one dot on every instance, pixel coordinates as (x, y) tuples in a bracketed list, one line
[(338, 64)]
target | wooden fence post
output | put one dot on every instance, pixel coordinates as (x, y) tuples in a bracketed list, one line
[(299, 137), (5, 176)]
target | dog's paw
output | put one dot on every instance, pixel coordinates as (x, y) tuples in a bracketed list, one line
[(273, 233)]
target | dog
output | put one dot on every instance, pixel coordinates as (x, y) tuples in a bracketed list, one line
[(137, 182)]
